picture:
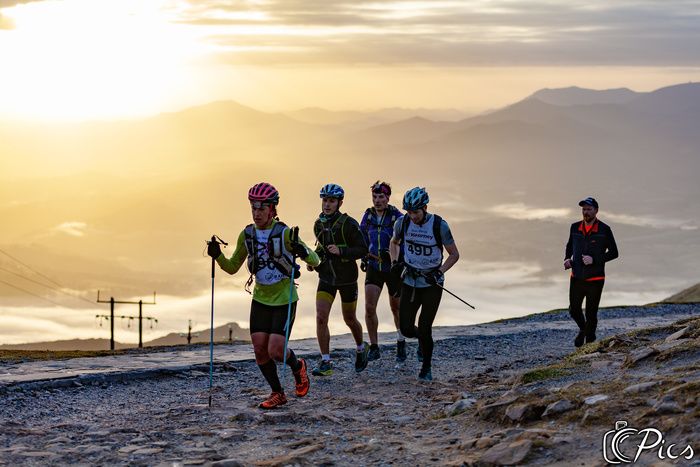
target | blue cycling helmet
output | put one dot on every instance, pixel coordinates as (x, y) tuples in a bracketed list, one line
[(415, 199), (332, 191)]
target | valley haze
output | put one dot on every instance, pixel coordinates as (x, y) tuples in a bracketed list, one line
[(125, 206)]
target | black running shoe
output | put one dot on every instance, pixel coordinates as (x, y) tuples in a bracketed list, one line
[(400, 351), (361, 359), (580, 337), (373, 353), (590, 339), (425, 374)]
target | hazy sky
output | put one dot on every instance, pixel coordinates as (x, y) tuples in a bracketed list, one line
[(83, 59)]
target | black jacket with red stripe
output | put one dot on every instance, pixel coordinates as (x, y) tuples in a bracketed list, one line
[(598, 243)]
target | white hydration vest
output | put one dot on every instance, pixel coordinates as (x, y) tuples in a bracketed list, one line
[(271, 261), (420, 247)]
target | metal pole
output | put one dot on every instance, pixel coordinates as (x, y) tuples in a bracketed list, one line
[(211, 335), (455, 296), (294, 237), (111, 323), (141, 324)]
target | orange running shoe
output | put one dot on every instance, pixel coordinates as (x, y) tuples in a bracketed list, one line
[(275, 399), (302, 379)]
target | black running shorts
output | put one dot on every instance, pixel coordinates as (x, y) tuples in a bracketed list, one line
[(379, 278), (326, 291), (270, 319)]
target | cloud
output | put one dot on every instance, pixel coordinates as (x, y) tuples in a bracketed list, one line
[(474, 32), (6, 23), (11, 3), (74, 229), (650, 221), (521, 211)]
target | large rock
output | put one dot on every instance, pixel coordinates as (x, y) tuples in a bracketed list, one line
[(486, 442), (524, 412), (536, 434), (640, 354), (558, 407), (592, 400), (488, 411), (300, 455), (227, 463), (666, 408), (677, 335), (458, 407), (507, 453), (641, 387), (664, 346)]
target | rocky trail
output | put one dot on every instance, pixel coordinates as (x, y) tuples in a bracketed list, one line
[(505, 393)]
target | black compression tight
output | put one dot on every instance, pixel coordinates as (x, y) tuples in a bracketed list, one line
[(428, 300)]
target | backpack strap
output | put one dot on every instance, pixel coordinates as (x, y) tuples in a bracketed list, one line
[(437, 230), (250, 246), (404, 227), (341, 225), (366, 217)]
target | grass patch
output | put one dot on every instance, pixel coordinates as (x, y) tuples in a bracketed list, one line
[(545, 373), (14, 356)]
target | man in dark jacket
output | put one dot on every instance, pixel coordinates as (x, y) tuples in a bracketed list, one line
[(591, 244), (339, 245), (377, 226)]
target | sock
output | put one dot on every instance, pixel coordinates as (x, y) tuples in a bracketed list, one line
[(292, 361), (374, 346), (326, 357), (269, 371), (399, 336), (361, 347)]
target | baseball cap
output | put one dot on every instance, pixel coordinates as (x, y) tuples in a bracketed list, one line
[(590, 201)]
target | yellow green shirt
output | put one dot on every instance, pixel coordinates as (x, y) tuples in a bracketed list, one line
[(273, 294)]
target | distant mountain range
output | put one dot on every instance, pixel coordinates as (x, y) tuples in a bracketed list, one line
[(148, 192), (689, 295), (221, 334)]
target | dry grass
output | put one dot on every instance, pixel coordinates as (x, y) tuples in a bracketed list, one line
[(13, 356)]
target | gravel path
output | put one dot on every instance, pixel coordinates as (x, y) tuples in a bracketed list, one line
[(381, 416)]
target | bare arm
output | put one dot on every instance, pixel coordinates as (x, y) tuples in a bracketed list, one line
[(452, 258), (394, 249)]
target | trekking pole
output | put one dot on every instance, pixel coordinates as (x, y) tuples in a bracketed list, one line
[(455, 296), (294, 238), (214, 239)]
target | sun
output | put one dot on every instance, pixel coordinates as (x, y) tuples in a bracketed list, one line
[(92, 59)]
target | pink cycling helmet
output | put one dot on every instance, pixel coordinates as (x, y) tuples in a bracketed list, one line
[(264, 193)]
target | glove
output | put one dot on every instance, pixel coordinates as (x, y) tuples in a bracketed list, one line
[(214, 249), (299, 250), (434, 277), (397, 268), (384, 256), (363, 264)]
